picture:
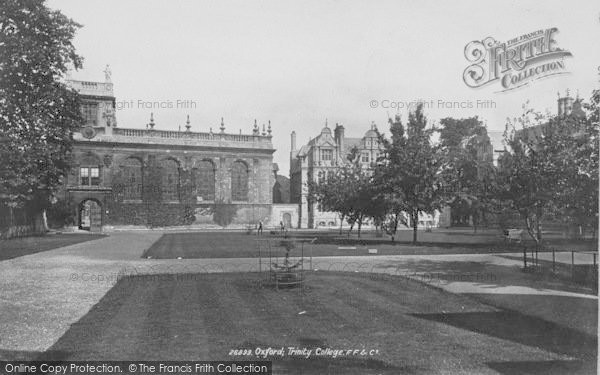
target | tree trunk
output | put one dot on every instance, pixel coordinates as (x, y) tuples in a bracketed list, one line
[(341, 221), (45, 221), (395, 227), (415, 219), (529, 227), (538, 225), (359, 226)]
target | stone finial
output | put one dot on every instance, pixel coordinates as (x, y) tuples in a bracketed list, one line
[(107, 74), (269, 128), (187, 124), (264, 132), (210, 131), (326, 122), (255, 130), (151, 123), (222, 125)]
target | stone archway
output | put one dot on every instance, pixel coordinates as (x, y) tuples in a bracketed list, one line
[(90, 215)]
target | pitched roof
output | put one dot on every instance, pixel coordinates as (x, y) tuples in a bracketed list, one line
[(349, 143)]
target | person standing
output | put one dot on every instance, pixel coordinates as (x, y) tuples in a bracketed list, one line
[(260, 228)]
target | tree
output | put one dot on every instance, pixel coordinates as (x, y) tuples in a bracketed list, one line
[(38, 113), (527, 173), (578, 198), (392, 198), (551, 169), (331, 194), (412, 169), (349, 192), (588, 152), (468, 169)]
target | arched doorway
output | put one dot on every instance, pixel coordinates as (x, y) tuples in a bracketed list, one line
[(287, 220), (90, 215)]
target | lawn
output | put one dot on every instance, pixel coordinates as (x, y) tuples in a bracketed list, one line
[(17, 247), (405, 327), (240, 245)]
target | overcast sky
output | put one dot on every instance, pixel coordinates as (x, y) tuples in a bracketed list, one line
[(299, 63)]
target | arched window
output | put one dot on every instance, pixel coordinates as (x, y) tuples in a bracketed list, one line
[(132, 179), (170, 180), (239, 181), (205, 181)]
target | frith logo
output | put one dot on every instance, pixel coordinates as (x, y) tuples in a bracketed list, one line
[(515, 63)]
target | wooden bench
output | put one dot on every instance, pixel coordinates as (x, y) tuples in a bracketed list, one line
[(513, 235)]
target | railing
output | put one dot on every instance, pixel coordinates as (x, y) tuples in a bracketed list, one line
[(170, 134), (580, 266), (88, 87)]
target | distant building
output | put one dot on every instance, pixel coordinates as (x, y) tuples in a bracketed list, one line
[(323, 155), (152, 177), (281, 189), (567, 106)]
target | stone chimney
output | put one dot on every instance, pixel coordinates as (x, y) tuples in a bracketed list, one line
[(565, 104), (293, 141), (338, 135)]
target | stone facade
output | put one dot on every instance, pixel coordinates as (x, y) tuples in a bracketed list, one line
[(325, 154), (151, 177)]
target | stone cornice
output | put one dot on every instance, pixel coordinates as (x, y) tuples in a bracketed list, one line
[(163, 147)]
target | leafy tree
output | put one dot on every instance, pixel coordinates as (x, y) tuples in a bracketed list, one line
[(61, 213), (350, 192), (454, 132), (578, 198), (363, 200), (331, 194), (527, 173), (393, 211), (551, 169), (587, 155), (412, 169), (468, 170), (38, 113)]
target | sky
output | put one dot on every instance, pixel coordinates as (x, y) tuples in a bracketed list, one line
[(299, 64)]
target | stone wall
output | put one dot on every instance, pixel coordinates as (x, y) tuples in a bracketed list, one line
[(279, 214), (151, 209)]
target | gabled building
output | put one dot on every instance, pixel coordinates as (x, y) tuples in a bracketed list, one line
[(567, 106), (323, 155)]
